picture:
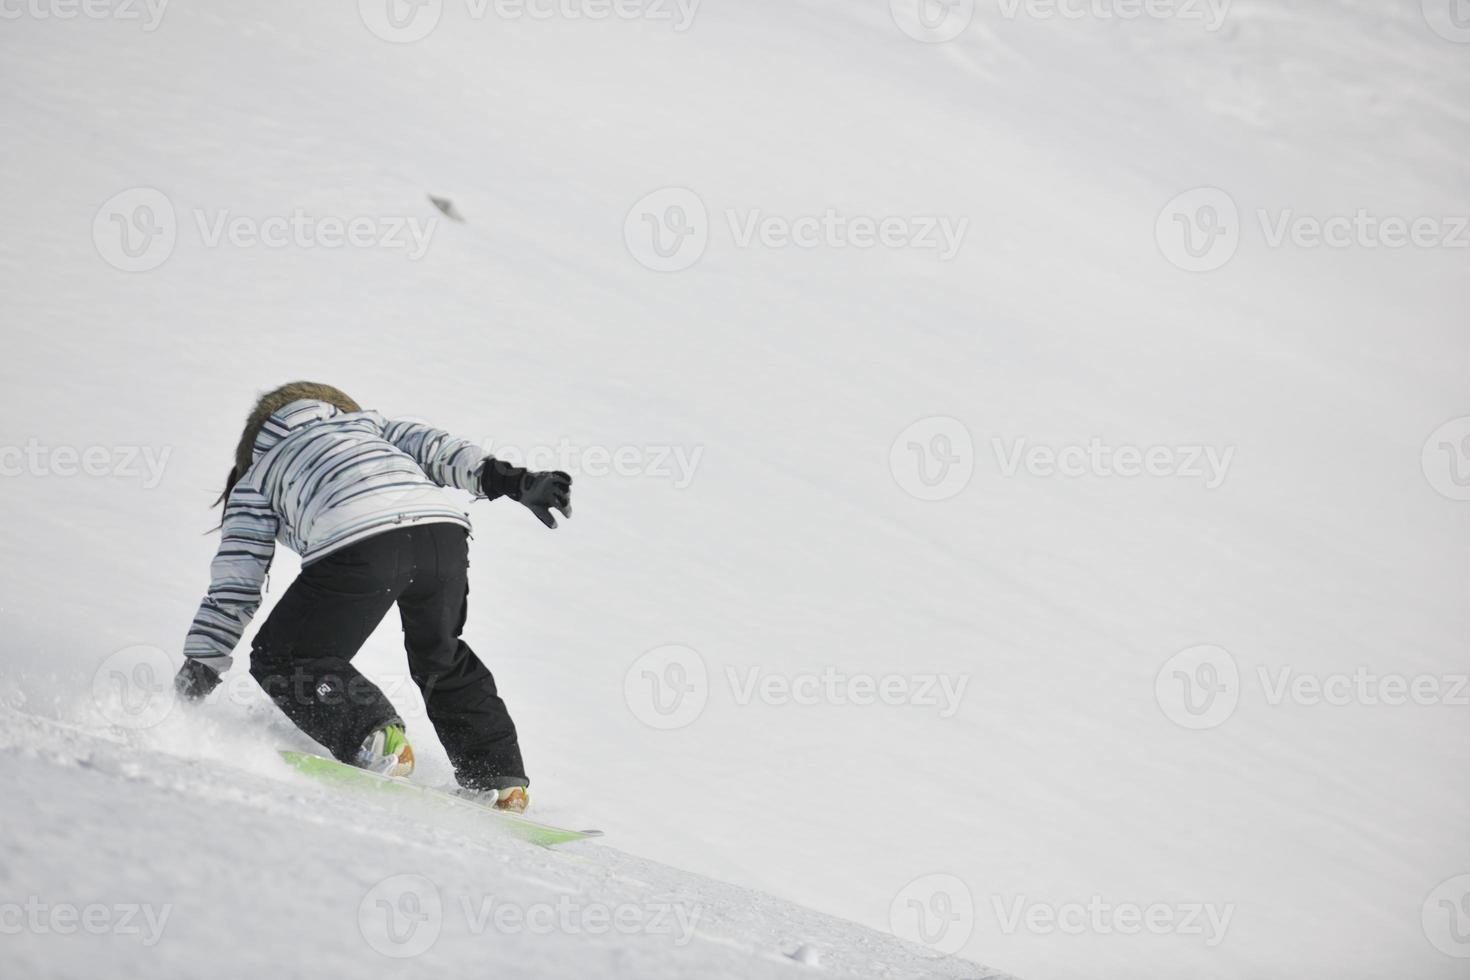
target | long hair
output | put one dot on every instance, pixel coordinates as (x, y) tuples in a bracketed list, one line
[(267, 405)]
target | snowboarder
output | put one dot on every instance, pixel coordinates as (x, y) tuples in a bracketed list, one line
[(360, 498)]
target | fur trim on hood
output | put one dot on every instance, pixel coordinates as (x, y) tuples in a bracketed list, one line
[(272, 402)]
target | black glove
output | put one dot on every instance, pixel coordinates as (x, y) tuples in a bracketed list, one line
[(195, 680), (540, 492)]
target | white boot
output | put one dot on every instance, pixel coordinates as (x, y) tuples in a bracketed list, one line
[(387, 752)]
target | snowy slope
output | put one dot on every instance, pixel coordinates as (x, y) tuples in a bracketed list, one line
[(770, 518), (364, 890)]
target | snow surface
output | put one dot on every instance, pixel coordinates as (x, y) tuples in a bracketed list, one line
[(290, 882), (1331, 835)]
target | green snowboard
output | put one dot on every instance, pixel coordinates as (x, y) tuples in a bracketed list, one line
[(340, 774)]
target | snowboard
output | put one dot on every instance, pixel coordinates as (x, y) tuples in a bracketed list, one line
[(335, 773)]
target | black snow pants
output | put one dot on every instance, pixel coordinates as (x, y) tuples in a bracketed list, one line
[(302, 655)]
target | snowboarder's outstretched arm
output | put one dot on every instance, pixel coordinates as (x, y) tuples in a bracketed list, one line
[(446, 459), (247, 545), (454, 462)]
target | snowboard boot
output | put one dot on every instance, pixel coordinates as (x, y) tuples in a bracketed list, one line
[(513, 799), (386, 752)]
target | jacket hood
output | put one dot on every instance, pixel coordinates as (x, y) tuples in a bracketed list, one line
[(288, 419), (268, 422)]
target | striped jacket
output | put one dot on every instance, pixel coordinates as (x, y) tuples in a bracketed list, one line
[(322, 479)]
